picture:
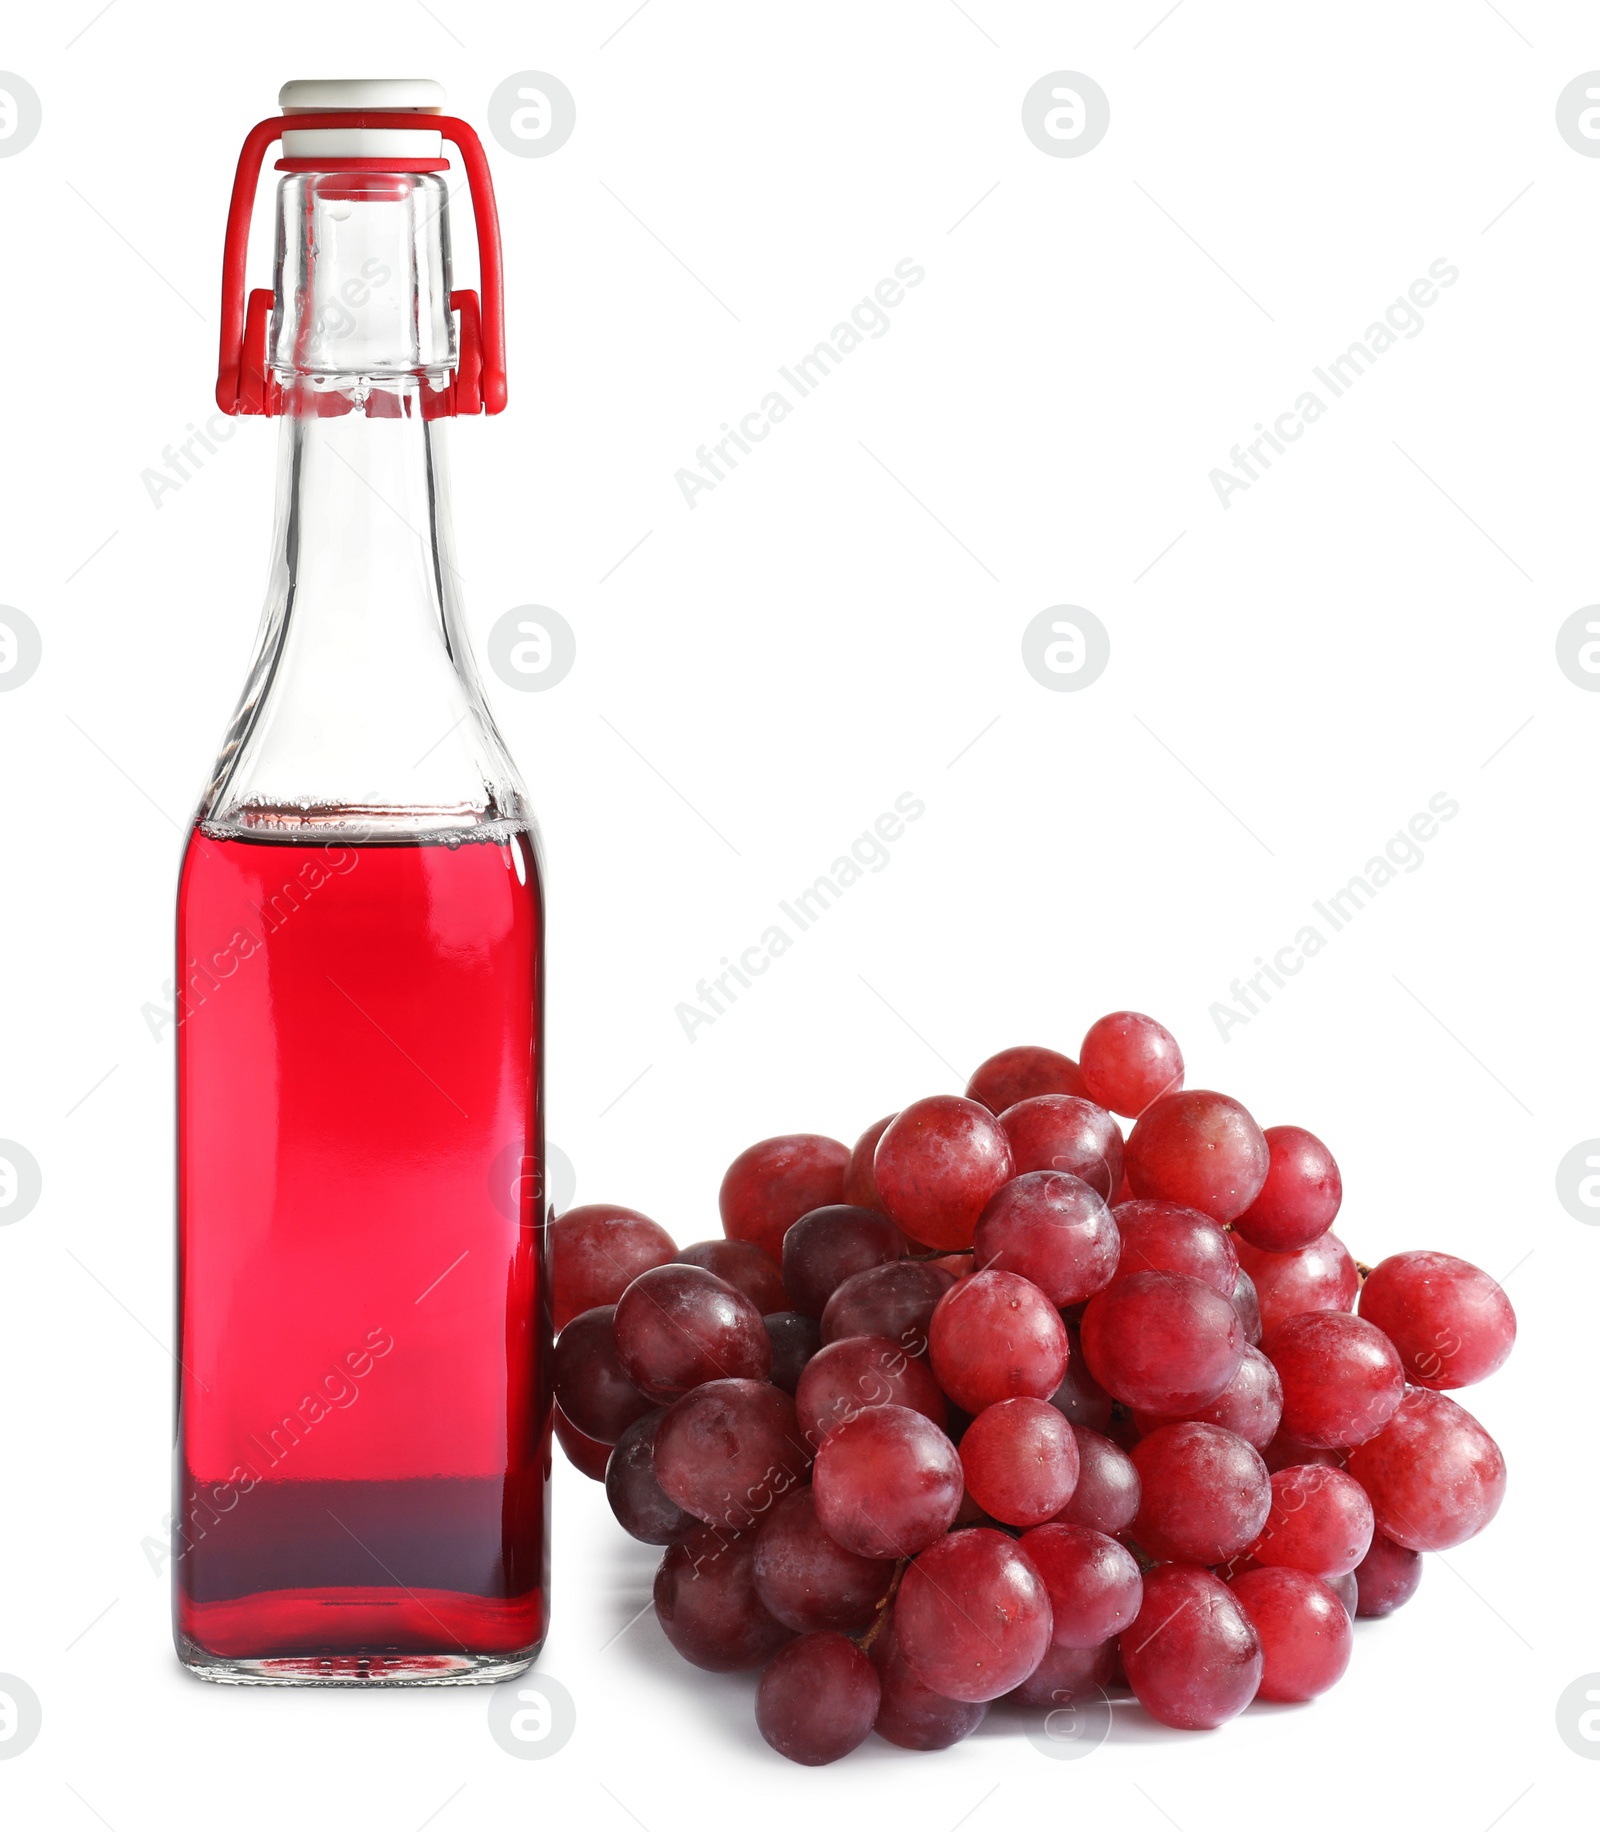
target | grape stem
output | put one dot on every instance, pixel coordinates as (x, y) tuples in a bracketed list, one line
[(865, 1641)]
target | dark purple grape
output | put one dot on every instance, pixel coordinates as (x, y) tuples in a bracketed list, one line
[(586, 1454), (728, 1449), (795, 1339), (592, 1386), (639, 1502), (1387, 1577), (705, 1598), (895, 1301), (817, 1699), (744, 1266), (680, 1326), (910, 1715), (807, 1580), (828, 1245)]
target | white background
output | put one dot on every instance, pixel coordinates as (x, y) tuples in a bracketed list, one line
[(836, 624)]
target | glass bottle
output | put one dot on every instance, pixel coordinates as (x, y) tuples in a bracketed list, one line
[(363, 1386)]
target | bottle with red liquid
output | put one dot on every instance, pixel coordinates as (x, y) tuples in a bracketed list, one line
[(363, 1322)]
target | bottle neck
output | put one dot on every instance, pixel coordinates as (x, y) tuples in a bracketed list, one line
[(363, 712)]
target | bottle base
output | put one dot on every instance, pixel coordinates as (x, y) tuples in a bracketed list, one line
[(368, 1670)]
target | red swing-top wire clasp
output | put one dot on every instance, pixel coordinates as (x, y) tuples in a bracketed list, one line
[(244, 377)]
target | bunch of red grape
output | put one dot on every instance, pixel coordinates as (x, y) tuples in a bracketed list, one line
[(1001, 1405)]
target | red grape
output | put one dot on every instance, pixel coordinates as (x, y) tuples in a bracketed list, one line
[(1435, 1475), (1061, 1132), (817, 1699), (705, 1598), (1387, 1577), (584, 1453), (973, 1615), (853, 1375), (1249, 1406), (795, 1339), (1204, 1493), (1319, 1277), (1192, 1656), (1052, 1229), (591, 1385), (637, 1499), (1161, 1341), (771, 1185), (1107, 1495), (1346, 1589), (679, 1326), (1199, 1149), (824, 1248), (1451, 1323), (1165, 1237), (1305, 1632), (1300, 1197), (1341, 1377), (887, 1483), (1129, 1060), (1248, 1304), (911, 1716), (1066, 1675), (808, 1580), (896, 1301), (996, 1336), (1023, 1073), (938, 1163), (1021, 1461), (1094, 1583), (727, 1449), (596, 1252), (1321, 1521), (1080, 1397), (744, 1266), (860, 1185)]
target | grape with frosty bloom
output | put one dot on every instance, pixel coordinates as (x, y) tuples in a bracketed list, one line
[(991, 1407)]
